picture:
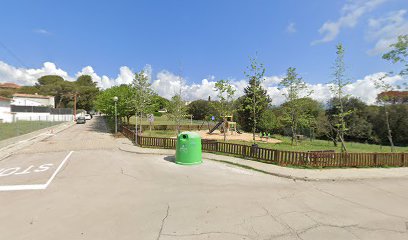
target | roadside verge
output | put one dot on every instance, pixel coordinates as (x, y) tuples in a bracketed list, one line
[(8, 146), (343, 174)]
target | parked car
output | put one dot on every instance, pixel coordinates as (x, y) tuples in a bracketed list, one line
[(80, 120), (88, 117)]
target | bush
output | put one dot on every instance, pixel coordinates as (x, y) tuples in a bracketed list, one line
[(157, 114)]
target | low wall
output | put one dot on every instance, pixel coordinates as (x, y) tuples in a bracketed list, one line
[(27, 116)]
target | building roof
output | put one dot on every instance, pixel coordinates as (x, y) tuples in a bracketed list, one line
[(9, 85), (4, 99), (31, 95)]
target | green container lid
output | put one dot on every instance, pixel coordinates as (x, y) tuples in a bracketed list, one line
[(188, 148)]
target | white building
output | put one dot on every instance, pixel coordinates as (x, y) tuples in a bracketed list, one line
[(20, 99), (5, 114)]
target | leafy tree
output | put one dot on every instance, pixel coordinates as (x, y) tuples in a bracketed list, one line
[(56, 86), (105, 104), (399, 53), (393, 97), (158, 103), (201, 109), (225, 94), (177, 110), (29, 90), (294, 115), (269, 121), (142, 94), (383, 86), (256, 100), (337, 88), (360, 129), (86, 91), (398, 123)]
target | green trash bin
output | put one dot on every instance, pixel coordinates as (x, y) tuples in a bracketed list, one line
[(188, 148)]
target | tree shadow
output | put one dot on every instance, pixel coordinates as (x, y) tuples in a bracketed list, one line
[(98, 124)]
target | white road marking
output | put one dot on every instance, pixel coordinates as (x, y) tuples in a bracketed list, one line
[(36, 186), (59, 168)]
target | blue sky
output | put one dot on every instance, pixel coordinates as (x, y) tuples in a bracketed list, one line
[(199, 39)]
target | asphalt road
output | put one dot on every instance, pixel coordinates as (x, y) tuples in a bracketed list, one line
[(78, 185)]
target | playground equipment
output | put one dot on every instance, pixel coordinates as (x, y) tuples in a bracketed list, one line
[(230, 125)]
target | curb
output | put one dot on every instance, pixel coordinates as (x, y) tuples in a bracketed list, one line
[(306, 179), (258, 169)]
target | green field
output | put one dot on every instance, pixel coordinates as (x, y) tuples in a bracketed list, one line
[(305, 145), (9, 130)]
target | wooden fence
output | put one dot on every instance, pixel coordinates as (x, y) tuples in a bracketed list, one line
[(283, 158)]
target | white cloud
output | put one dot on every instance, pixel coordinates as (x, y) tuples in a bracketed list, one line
[(42, 31), (29, 76), (166, 83), (385, 30), (291, 28), (351, 12)]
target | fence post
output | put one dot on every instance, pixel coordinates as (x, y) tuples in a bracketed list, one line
[(375, 159), (402, 159), (244, 148)]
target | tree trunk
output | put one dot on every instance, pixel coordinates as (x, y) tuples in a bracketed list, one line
[(293, 128), (343, 145), (224, 130), (141, 122), (389, 132)]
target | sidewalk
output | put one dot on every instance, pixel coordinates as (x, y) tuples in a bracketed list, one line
[(345, 174), (11, 145)]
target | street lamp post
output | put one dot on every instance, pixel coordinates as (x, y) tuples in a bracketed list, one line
[(115, 99)]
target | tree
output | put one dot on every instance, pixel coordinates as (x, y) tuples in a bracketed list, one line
[(201, 109), (399, 53), (56, 86), (337, 88), (383, 86), (158, 103), (86, 91), (105, 104), (293, 109), (225, 94), (142, 94), (177, 106), (393, 97), (255, 100), (177, 110), (269, 121)]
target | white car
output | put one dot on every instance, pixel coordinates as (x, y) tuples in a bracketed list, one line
[(88, 117)]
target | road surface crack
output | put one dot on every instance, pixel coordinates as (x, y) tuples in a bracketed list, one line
[(163, 222)]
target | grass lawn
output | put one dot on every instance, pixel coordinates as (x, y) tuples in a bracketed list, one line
[(9, 130), (305, 145)]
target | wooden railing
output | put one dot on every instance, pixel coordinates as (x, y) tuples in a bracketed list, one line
[(282, 158)]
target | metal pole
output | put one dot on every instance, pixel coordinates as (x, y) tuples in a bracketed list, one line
[(136, 130), (75, 107), (116, 120)]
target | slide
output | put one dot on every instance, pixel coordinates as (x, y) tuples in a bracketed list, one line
[(216, 126)]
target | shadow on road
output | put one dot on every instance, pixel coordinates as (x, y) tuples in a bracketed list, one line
[(98, 124), (170, 159)]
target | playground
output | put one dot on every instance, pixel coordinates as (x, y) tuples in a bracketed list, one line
[(218, 135)]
